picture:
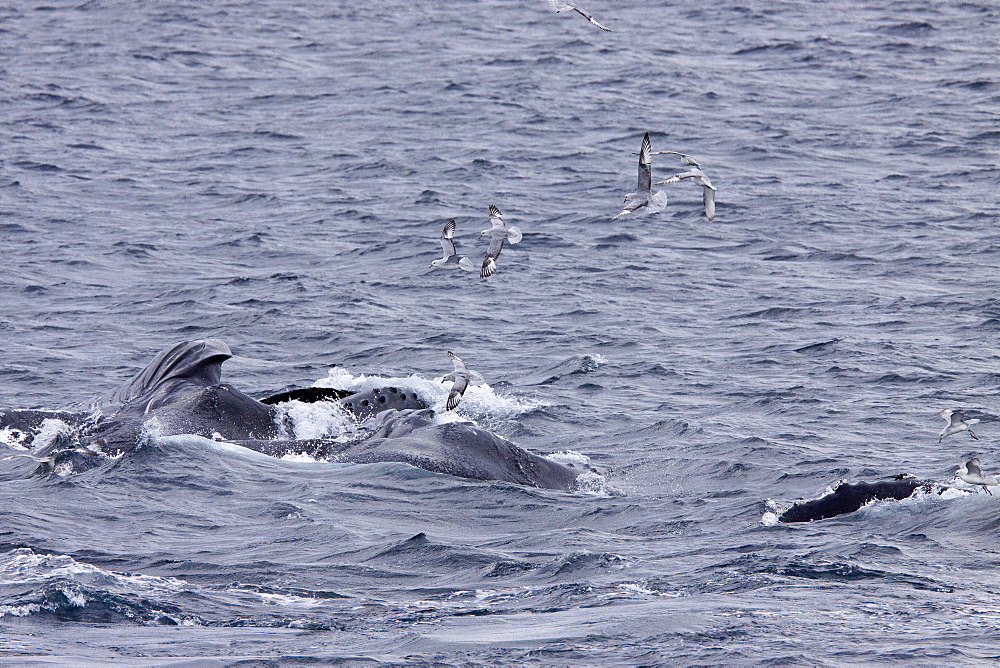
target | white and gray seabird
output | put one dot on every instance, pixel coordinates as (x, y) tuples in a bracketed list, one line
[(643, 199), (697, 176), (563, 5), (498, 234), (461, 378), (451, 259), (974, 475), (686, 160), (956, 423)]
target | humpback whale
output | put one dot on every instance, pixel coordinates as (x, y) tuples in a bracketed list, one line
[(848, 497), (181, 392), (456, 448)]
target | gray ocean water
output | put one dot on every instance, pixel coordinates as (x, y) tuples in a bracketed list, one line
[(276, 174)]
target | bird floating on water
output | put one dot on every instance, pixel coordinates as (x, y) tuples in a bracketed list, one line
[(974, 475), (461, 378), (451, 259), (643, 198), (563, 5), (956, 423), (498, 234), (697, 176)]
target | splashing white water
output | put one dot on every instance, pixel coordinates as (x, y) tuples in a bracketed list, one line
[(322, 419), (13, 438), (479, 401), (23, 568), (588, 482), (48, 431)]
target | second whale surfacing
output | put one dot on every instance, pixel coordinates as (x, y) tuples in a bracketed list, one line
[(181, 392), (848, 497)]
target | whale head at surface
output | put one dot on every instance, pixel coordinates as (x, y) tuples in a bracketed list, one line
[(182, 388), (196, 363), (181, 392)]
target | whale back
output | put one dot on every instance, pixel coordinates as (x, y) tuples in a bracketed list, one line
[(455, 448), (848, 497)]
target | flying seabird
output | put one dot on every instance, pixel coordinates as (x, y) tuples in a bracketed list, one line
[(974, 475), (498, 234), (956, 423), (643, 198), (684, 157), (451, 259), (562, 5), (699, 177), (462, 377)]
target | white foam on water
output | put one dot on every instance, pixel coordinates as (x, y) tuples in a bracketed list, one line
[(588, 482), (63, 470), (297, 457), (479, 401), (20, 610), (769, 519), (637, 589), (23, 568), (321, 419), (773, 512), (48, 431), (591, 482), (13, 438), (570, 457), (73, 595), (282, 599), (151, 430), (954, 492)]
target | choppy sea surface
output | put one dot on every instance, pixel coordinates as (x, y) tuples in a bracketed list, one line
[(277, 174)]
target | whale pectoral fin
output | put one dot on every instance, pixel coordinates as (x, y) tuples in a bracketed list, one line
[(309, 395)]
